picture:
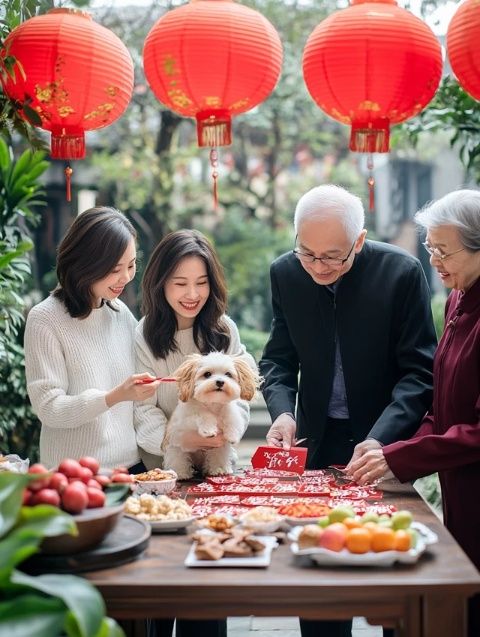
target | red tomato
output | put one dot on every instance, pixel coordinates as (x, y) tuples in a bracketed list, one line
[(74, 498), (122, 477), (69, 467), (96, 498), (58, 481), (90, 463), (102, 480), (45, 496)]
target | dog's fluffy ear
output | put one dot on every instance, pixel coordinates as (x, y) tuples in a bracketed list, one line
[(248, 379), (185, 376)]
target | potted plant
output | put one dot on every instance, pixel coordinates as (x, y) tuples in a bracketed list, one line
[(43, 605)]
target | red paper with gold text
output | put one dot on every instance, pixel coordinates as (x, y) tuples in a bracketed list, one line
[(280, 459)]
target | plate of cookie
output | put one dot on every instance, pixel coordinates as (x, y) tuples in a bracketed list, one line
[(231, 548)]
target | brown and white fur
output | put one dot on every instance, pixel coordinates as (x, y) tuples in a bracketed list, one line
[(209, 390)]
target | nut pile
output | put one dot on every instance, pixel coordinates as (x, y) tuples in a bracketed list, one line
[(261, 514), (216, 522), (232, 542), (155, 475), (157, 508)]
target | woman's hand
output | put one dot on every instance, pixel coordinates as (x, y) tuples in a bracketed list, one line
[(369, 467), (191, 441), (131, 389)]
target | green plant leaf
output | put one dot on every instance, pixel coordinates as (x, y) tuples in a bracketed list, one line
[(11, 490), (46, 521), (32, 115), (29, 615), (83, 600), (116, 493), (16, 548)]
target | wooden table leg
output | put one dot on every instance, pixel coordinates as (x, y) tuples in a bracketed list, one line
[(444, 615)]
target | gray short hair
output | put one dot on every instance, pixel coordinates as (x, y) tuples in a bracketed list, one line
[(328, 201), (460, 208)]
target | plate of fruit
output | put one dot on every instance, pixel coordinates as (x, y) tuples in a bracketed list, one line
[(368, 540)]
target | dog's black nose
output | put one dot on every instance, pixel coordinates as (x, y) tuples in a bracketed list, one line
[(219, 383)]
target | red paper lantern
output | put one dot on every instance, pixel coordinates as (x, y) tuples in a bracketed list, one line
[(371, 65), (76, 74), (463, 46), (212, 59)]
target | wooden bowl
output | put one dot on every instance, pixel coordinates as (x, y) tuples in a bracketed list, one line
[(93, 525)]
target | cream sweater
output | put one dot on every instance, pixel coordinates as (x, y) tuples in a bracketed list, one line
[(71, 364), (152, 415)]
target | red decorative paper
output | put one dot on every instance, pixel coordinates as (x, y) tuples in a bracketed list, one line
[(292, 460)]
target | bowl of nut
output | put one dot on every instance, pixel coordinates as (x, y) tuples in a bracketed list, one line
[(155, 481), (164, 514), (262, 519)]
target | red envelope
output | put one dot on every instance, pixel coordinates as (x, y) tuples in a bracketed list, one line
[(280, 459)]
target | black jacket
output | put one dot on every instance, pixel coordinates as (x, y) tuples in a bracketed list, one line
[(382, 317)]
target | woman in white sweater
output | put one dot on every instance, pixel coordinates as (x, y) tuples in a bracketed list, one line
[(79, 347), (184, 303)]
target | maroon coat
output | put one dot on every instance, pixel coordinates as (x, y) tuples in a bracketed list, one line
[(448, 440)]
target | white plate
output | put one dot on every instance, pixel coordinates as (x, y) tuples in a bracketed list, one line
[(301, 521), (325, 557), (164, 526), (261, 527), (260, 560)]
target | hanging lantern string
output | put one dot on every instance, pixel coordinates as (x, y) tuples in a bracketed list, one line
[(214, 165), (68, 177), (371, 184)]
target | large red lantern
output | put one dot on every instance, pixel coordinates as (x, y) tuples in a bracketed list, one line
[(212, 60), (463, 46), (371, 65), (74, 73)]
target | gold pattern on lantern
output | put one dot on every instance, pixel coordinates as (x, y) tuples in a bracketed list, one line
[(101, 111), (212, 101), (169, 65), (65, 111), (368, 105), (337, 115), (240, 104), (112, 91), (179, 98)]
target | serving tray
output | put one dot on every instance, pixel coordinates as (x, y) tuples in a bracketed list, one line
[(127, 540)]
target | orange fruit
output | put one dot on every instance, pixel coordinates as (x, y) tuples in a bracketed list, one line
[(358, 540), (383, 539), (403, 540), (352, 523), (370, 526)]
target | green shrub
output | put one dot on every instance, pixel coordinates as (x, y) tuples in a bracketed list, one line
[(429, 488)]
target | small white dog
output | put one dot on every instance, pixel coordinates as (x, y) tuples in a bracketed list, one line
[(209, 390)]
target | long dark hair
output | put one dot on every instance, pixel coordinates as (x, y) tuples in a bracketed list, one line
[(210, 330), (90, 250)]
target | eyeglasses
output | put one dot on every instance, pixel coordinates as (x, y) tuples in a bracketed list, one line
[(435, 252), (334, 262)]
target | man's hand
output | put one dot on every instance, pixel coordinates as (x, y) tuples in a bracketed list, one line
[(282, 432)]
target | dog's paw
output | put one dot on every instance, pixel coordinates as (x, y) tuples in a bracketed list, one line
[(185, 475), (222, 471)]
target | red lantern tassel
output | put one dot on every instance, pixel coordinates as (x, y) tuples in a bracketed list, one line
[(371, 185), (214, 165), (68, 177)]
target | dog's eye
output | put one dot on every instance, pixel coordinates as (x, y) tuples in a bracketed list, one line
[(229, 374), (207, 374)]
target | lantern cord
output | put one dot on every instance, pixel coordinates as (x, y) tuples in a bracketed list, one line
[(214, 165), (371, 184), (68, 177)]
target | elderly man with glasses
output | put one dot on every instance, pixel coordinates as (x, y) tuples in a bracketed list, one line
[(348, 364)]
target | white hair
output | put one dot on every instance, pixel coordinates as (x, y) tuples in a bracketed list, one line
[(324, 202), (460, 208)]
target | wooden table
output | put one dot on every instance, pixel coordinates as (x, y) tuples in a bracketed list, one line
[(427, 599)]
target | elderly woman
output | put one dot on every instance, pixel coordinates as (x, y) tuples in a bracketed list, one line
[(448, 441)]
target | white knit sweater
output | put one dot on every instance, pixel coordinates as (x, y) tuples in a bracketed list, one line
[(71, 364), (152, 415)]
